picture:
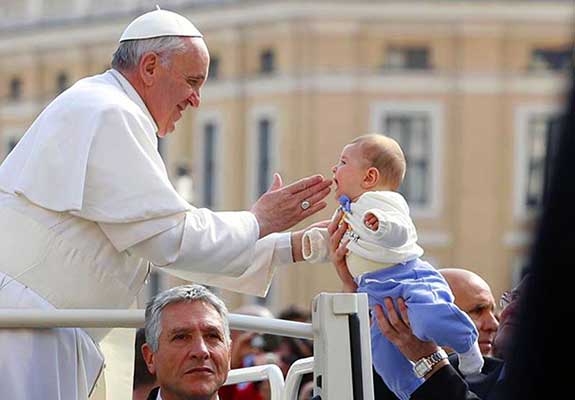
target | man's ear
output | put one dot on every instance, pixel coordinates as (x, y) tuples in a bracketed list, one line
[(371, 178), (148, 67), (149, 358)]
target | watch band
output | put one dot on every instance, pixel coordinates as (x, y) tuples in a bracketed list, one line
[(424, 365)]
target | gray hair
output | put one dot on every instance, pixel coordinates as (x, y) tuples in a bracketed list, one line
[(180, 294), (129, 52)]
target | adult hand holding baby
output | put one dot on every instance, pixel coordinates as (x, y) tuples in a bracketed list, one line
[(338, 251)]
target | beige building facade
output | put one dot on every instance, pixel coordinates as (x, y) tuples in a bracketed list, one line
[(471, 89)]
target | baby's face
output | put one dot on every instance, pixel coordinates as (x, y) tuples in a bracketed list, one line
[(349, 172)]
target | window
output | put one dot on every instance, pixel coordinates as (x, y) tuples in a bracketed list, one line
[(163, 147), (536, 143), (209, 165), (549, 59), (214, 69), (61, 82), (184, 183), (158, 282), (410, 58), (417, 128), (155, 283), (207, 132), (15, 89), (263, 150), (535, 160), (413, 134), (11, 142), (267, 61), (539, 131), (264, 173), (553, 134)]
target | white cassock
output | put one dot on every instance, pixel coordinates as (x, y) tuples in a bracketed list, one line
[(85, 207)]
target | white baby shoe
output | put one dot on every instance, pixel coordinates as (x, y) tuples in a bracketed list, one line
[(471, 362)]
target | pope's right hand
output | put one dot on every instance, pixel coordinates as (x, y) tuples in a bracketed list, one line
[(282, 207)]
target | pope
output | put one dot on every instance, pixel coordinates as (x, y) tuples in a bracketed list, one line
[(86, 208)]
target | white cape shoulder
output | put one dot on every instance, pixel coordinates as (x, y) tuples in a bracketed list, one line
[(93, 152)]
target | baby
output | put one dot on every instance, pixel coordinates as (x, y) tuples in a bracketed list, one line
[(384, 261)]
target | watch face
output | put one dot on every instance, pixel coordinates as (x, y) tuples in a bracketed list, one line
[(426, 364), (421, 368)]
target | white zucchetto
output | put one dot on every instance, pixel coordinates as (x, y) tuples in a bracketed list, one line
[(159, 23)]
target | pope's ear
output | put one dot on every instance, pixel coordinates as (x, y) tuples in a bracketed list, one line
[(148, 67)]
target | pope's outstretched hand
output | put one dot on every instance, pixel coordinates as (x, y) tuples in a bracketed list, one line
[(281, 207)]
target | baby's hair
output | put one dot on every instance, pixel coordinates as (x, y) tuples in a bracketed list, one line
[(385, 154)]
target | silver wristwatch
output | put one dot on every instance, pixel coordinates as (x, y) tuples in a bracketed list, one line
[(424, 365)]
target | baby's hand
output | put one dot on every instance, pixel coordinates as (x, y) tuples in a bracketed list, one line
[(371, 221)]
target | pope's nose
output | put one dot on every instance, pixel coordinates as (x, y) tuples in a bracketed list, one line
[(194, 99)]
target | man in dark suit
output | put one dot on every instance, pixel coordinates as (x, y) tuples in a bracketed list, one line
[(187, 343), (444, 381)]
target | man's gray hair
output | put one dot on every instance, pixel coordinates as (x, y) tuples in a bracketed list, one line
[(129, 53), (180, 294)]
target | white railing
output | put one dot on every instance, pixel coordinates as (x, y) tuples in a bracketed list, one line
[(33, 318), (331, 329), (269, 372), (293, 378)]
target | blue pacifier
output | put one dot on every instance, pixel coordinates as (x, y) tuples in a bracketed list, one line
[(345, 203)]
